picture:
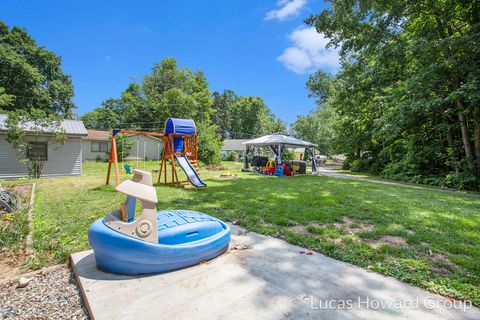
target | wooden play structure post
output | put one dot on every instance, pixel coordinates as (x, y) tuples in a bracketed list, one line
[(168, 154), (190, 150), (113, 158)]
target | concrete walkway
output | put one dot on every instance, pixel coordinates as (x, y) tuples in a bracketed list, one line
[(270, 280), (329, 171)]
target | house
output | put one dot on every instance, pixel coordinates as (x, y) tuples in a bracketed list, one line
[(96, 146), (65, 160), (234, 145), (299, 153)]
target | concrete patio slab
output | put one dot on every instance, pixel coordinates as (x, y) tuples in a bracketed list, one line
[(270, 280)]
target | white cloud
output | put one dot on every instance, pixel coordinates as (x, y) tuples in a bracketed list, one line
[(288, 9), (309, 52)]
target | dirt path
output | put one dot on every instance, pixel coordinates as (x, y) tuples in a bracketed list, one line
[(329, 171)]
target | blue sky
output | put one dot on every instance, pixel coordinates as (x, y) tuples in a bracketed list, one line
[(259, 48)]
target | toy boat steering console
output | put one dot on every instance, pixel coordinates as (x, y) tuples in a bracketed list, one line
[(155, 241)]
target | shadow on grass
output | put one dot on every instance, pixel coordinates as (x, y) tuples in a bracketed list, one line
[(271, 205)]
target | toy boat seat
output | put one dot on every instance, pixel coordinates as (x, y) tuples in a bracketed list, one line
[(154, 242), (182, 226)]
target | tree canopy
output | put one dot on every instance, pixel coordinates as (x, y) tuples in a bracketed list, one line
[(406, 101), (31, 76), (168, 91), (317, 126), (243, 117), (171, 91)]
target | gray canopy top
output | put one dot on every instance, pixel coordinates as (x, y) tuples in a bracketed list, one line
[(278, 139)]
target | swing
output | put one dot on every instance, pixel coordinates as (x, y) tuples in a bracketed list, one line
[(113, 160), (128, 169)]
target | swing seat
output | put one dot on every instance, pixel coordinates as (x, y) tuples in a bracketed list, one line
[(128, 169)]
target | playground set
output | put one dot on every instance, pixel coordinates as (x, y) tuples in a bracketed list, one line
[(179, 143), (155, 241)]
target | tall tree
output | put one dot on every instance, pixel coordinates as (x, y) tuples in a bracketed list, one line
[(176, 92), (406, 99), (243, 117), (223, 108), (168, 91), (251, 117), (32, 76), (317, 126)]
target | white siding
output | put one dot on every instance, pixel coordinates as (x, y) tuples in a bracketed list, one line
[(153, 147), (87, 153), (9, 165), (64, 161)]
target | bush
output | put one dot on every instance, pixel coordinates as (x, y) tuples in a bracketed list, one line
[(288, 155), (407, 172), (209, 144), (232, 156), (462, 180), (400, 171), (359, 165)]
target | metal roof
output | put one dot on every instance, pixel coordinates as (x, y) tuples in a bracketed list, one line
[(71, 127), (234, 145)]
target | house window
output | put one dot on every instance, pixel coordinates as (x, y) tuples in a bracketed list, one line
[(37, 151), (100, 147)]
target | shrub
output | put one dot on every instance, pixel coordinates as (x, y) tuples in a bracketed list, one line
[(461, 180), (359, 165), (400, 171), (232, 156), (209, 144), (288, 155)]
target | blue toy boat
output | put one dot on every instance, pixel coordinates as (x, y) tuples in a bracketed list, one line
[(154, 242)]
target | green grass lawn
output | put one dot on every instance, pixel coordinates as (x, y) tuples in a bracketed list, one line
[(428, 238)]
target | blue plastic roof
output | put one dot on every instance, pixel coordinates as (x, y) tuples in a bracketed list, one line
[(180, 126)]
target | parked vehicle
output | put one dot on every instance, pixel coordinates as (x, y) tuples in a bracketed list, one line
[(319, 159)]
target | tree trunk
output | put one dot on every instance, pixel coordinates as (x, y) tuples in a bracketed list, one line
[(466, 142), (476, 131), (476, 136), (449, 132)]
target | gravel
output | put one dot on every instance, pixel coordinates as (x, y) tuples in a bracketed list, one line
[(49, 295)]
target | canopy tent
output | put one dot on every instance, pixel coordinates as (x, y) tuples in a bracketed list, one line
[(277, 142)]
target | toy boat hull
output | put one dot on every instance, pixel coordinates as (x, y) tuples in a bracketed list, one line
[(185, 238)]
